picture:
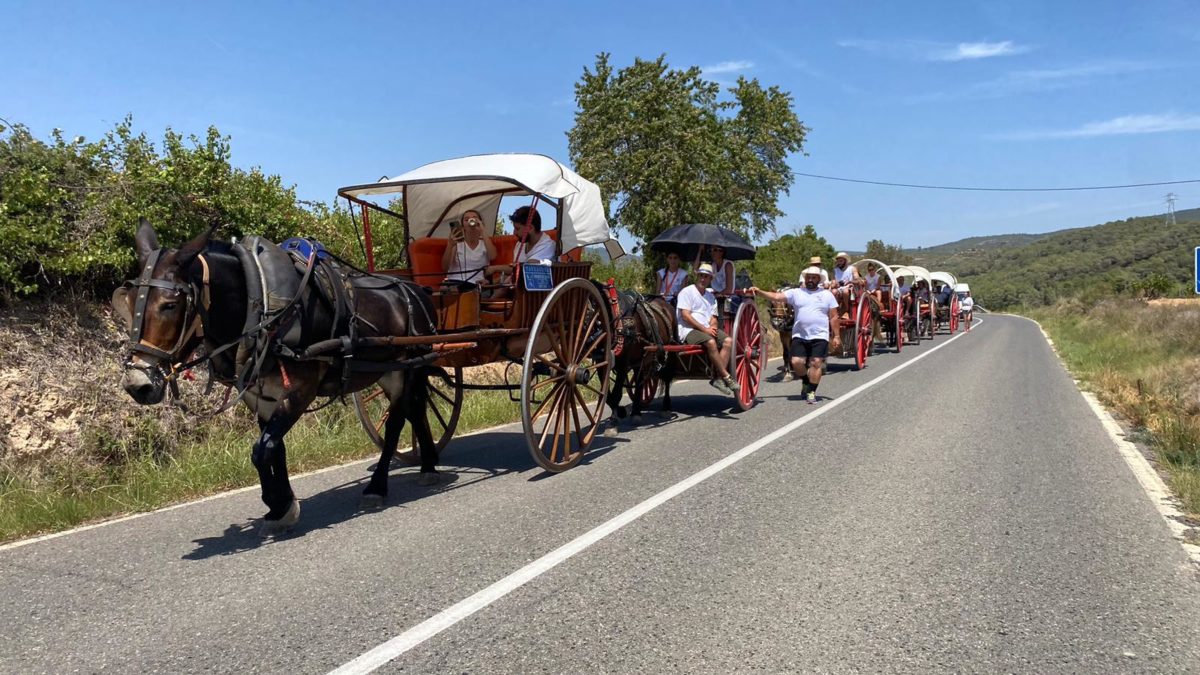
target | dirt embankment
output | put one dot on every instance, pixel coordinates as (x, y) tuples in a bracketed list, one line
[(60, 394)]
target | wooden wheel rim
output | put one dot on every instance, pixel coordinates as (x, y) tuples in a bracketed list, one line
[(748, 359), (445, 392), (574, 320)]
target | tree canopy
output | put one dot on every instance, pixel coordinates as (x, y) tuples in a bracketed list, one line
[(666, 148), (781, 259), (887, 253)]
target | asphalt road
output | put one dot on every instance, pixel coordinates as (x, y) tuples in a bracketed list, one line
[(967, 513)]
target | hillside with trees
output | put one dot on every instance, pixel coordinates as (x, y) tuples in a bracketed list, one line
[(1135, 256)]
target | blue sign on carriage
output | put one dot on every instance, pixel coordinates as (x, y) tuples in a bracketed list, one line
[(537, 277)]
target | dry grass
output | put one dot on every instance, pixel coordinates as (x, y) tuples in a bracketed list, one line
[(1143, 360)]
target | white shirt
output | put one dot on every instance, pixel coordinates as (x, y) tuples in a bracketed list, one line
[(811, 309), (967, 304), (467, 258), (872, 281), (669, 283), (542, 250), (702, 307), (843, 276), (905, 289), (718, 281)]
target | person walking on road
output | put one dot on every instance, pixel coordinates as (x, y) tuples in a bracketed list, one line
[(696, 315), (816, 320)]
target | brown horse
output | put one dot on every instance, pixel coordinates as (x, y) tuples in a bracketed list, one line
[(201, 294), (644, 321)]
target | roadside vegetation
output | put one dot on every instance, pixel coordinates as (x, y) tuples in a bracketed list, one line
[(1142, 359)]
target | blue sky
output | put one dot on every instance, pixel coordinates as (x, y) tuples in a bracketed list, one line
[(961, 93)]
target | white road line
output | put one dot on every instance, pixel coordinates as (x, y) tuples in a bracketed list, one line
[(430, 627), (1152, 483)]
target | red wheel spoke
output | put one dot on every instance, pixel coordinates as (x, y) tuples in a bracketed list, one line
[(378, 391), (550, 380)]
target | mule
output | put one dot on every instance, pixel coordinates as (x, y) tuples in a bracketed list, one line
[(199, 295), (644, 321)]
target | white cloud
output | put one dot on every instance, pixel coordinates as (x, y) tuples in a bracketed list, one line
[(966, 51), (727, 67), (1119, 126), (923, 50), (1047, 79)]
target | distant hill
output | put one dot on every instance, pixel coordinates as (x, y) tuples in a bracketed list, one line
[(1012, 270), (975, 243)]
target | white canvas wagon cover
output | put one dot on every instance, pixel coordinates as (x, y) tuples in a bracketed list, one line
[(438, 193)]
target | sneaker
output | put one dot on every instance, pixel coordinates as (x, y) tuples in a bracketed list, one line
[(811, 397), (721, 387), (732, 384)]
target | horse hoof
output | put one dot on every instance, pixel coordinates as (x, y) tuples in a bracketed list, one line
[(636, 419), (284, 523), (427, 478), (610, 430), (371, 501)]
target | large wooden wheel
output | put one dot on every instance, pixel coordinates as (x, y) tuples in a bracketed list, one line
[(566, 376), (954, 314), (748, 359), (442, 409), (862, 333)]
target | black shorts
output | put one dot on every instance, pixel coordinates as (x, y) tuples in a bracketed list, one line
[(809, 349)]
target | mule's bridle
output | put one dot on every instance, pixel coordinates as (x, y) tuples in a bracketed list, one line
[(193, 325)]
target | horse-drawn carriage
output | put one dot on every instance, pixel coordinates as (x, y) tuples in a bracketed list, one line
[(947, 307), (921, 313), (663, 358), (553, 322)]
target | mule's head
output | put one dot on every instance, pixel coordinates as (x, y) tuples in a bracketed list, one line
[(159, 311)]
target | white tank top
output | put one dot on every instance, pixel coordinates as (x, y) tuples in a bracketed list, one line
[(467, 258), (718, 282)]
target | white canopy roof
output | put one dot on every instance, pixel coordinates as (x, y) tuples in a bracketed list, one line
[(438, 193), (944, 277), (915, 272)]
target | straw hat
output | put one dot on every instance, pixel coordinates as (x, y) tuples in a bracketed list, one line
[(704, 268), (840, 255), (811, 270)]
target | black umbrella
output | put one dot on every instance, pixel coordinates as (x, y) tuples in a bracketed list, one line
[(687, 239)]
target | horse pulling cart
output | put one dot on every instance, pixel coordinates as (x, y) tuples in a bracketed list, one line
[(550, 319)]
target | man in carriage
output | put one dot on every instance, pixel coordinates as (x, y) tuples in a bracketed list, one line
[(696, 316)]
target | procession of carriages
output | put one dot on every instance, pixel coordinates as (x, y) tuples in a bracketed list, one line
[(569, 346), (561, 333)]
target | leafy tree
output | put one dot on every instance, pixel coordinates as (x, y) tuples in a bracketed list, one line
[(666, 149), (781, 259), (68, 208), (887, 253)]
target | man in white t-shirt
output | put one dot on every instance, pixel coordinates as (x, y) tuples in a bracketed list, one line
[(815, 261), (815, 330), (696, 318), (533, 247)]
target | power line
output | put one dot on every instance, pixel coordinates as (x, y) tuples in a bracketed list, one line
[(996, 189)]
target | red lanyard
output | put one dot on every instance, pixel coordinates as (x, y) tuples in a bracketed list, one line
[(669, 282)]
